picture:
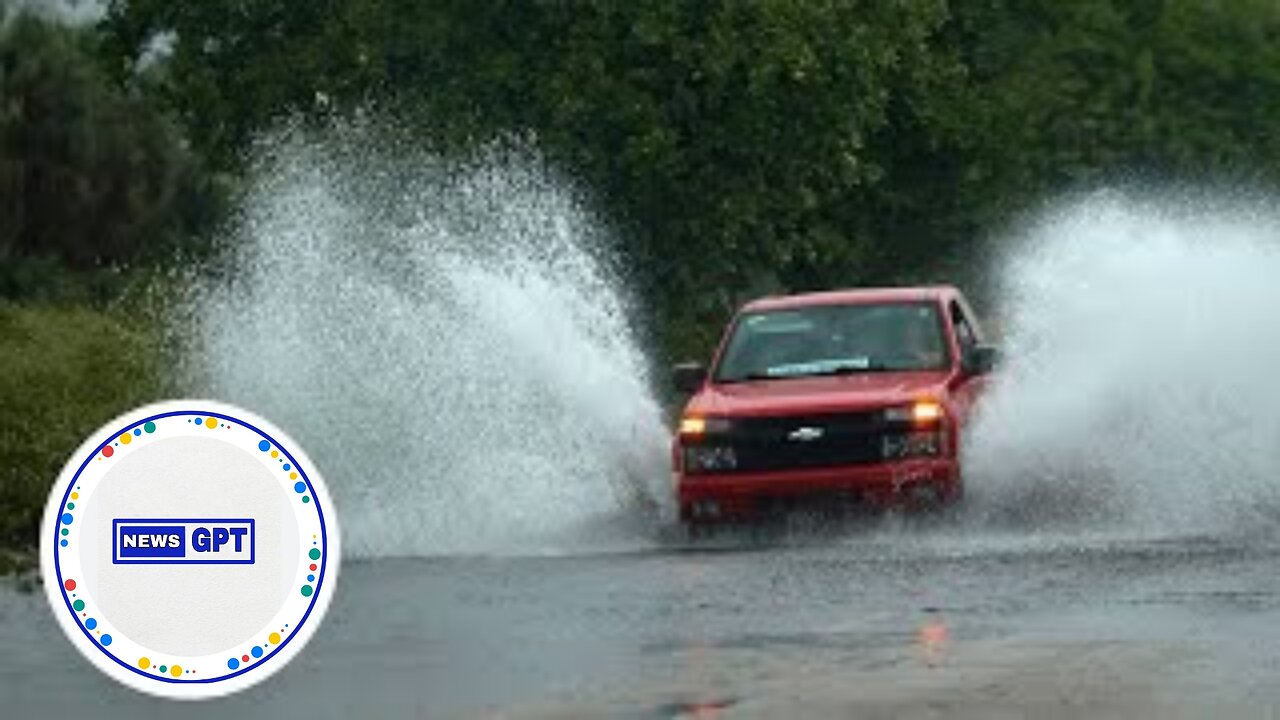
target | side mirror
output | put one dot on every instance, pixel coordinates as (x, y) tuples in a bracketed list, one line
[(688, 377), (981, 359)]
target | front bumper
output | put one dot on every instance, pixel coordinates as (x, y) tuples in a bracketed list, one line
[(744, 496)]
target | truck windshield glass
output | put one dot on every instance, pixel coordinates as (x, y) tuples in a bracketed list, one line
[(834, 339)]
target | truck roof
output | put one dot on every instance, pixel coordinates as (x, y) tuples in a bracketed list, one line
[(853, 297)]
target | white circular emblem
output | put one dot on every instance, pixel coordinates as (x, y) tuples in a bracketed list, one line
[(189, 549)]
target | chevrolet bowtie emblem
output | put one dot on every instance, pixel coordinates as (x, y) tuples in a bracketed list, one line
[(806, 434)]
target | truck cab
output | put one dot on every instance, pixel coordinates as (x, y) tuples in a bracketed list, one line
[(832, 399)]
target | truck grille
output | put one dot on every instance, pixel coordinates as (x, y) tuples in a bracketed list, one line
[(782, 443)]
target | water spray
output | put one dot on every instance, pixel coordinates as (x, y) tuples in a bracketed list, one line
[(450, 337)]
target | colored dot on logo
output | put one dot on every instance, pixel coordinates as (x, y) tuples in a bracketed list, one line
[(66, 518), (137, 432), (63, 542), (306, 499), (257, 651), (108, 451), (150, 427), (306, 591), (274, 638), (299, 487), (210, 423), (91, 623), (69, 585), (144, 663), (314, 554), (106, 640), (78, 605), (233, 663), (286, 466), (263, 445)]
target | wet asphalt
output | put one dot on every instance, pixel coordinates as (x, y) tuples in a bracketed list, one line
[(890, 620)]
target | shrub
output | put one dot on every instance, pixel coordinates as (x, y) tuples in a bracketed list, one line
[(66, 371)]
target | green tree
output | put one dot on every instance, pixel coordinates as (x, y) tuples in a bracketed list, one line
[(89, 175), (738, 145), (1085, 93), (770, 144)]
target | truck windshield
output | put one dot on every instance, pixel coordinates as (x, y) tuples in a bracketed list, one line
[(834, 339)]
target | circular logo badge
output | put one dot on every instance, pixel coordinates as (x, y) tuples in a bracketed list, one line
[(189, 549)]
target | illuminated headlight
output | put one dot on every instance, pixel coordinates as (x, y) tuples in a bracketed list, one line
[(709, 458), (909, 445), (694, 426), (923, 412)]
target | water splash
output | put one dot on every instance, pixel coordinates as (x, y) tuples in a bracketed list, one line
[(447, 338), (1139, 393)]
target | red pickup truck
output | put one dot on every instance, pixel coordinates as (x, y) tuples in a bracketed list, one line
[(822, 400)]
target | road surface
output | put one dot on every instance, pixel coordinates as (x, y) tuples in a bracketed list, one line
[(881, 621)]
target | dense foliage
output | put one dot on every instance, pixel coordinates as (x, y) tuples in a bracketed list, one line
[(751, 146), (90, 176), (66, 371)]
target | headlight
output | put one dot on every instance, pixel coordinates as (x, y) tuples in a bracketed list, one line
[(693, 426), (922, 412), (709, 458), (912, 444)]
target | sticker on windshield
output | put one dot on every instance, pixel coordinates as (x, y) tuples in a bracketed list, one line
[(780, 322), (819, 367), (189, 549)]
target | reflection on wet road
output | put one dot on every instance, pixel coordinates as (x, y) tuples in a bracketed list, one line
[(875, 623)]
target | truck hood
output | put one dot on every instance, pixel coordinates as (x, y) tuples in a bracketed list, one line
[(817, 395)]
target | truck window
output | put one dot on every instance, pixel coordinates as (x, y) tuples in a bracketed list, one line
[(964, 331), (834, 339)]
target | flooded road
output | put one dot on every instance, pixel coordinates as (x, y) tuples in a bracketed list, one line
[(882, 622)]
